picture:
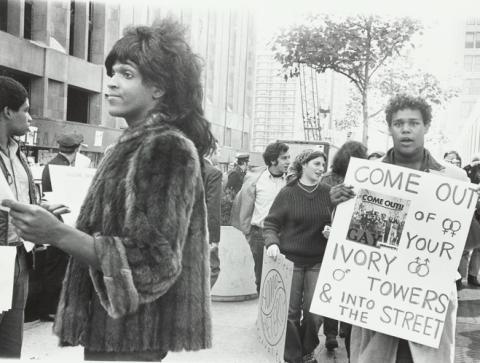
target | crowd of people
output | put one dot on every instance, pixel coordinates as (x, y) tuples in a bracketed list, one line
[(132, 281)]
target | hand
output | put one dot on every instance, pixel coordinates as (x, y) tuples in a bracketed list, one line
[(56, 209), (326, 231), (341, 193), (213, 245), (273, 251), (33, 222)]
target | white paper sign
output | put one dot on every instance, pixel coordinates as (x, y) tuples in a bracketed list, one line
[(69, 187), (393, 251), (273, 304), (7, 261), (98, 138)]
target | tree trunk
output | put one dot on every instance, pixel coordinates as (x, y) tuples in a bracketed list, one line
[(365, 118)]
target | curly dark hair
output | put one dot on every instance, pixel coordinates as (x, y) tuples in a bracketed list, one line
[(12, 93), (165, 60), (342, 156), (273, 151), (402, 102)]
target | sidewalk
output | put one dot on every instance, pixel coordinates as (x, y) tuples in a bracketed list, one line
[(234, 338)]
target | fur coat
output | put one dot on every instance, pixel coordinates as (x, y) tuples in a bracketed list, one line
[(146, 211)]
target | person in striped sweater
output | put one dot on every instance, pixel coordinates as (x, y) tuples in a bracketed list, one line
[(294, 228)]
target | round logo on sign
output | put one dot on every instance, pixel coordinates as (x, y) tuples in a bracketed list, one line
[(274, 305)]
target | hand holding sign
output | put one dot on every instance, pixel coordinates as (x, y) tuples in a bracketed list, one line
[(341, 193), (33, 222)]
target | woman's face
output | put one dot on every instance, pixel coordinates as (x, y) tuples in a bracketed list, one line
[(128, 96), (313, 170)]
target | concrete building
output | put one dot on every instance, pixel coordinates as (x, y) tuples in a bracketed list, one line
[(56, 49), (275, 103), (468, 140)]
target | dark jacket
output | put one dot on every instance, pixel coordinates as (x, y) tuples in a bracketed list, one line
[(146, 211), (212, 181), (57, 160), (235, 179)]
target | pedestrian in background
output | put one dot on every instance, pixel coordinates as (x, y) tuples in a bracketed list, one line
[(14, 121), (212, 181), (252, 203), (236, 176), (137, 285), (45, 282), (334, 177), (294, 228)]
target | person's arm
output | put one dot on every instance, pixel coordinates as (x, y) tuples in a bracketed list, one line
[(38, 225), (145, 261), (213, 195), (274, 222)]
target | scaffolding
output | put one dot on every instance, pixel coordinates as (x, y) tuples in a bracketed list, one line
[(312, 112)]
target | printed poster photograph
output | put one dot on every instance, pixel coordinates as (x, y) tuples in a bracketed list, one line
[(377, 219), (393, 251)]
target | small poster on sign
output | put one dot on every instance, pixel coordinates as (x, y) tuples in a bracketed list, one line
[(273, 304), (393, 251)]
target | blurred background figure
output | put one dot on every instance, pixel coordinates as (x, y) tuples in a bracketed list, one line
[(212, 181), (236, 176), (334, 177), (453, 157), (470, 263)]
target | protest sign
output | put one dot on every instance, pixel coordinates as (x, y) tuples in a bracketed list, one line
[(393, 251), (69, 187), (273, 304), (7, 261)]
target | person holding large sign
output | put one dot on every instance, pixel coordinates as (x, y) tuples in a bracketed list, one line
[(294, 228), (408, 120), (138, 283)]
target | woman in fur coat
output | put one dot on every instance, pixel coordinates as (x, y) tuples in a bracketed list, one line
[(137, 284)]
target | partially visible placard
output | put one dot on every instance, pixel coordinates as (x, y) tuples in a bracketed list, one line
[(273, 304), (7, 261)]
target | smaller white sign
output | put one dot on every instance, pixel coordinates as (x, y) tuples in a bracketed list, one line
[(273, 304), (7, 261), (69, 187), (98, 138)]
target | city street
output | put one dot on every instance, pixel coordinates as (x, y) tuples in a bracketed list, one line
[(234, 337)]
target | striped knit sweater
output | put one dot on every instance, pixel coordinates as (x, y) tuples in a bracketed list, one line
[(296, 221)]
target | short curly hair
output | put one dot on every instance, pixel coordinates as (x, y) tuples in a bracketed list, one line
[(272, 152), (404, 101)]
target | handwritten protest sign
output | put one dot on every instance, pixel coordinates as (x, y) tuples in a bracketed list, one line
[(69, 187), (273, 304), (393, 251)]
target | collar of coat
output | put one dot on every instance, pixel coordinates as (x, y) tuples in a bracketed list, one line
[(428, 162), (156, 121)]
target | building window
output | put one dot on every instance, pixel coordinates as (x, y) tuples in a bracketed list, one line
[(72, 27), (77, 105), (3, 15), (27, 20), (469, 38)]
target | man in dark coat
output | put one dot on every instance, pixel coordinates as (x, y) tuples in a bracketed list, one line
[(212, 181), (236, 176), (51, 263)]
